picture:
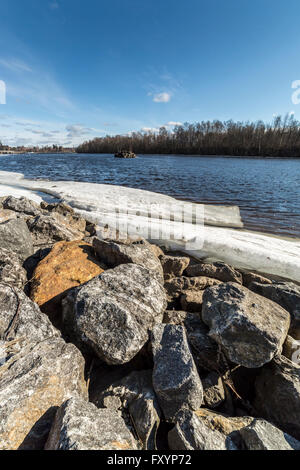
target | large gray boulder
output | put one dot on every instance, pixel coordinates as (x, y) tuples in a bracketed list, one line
[(192, 433), (286, 294), (135, 396), (221, 271), (112, 313), (139, 252), (47, 229), (21, 319), (22, 205), (250, 329), (175, 377), (11, 269), (277, 397), (79, 425), (33, 384), (66, 214), (15, 237), (261, 435)]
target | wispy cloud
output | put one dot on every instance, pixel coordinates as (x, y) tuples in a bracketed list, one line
[(53, 5), (163, 97), (15, 65), (173, 123)]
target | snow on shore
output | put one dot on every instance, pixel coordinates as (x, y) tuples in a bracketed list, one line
[(148, 214)]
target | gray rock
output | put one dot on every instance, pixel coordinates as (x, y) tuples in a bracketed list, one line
[(261, 435), (206, 352), (112, 313), (15, 237), (222, 272), (287, 295), (214, 393), (135, 395), (181, 285), (79, 425), (6, 215), (192, 301), (49, 229), (173, 266), (21, 205), (250, 329), (66, 214), (137, 252), (22, 318), (33, 384), (192, 433), (291, 349), (11, 269), (277, 397), (175, 378)]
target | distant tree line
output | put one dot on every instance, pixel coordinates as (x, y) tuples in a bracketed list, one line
[(281, 138)]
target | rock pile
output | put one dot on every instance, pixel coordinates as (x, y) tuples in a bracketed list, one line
[(110, 345)]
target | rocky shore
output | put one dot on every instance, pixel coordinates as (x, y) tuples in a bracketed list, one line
[(110, 345)]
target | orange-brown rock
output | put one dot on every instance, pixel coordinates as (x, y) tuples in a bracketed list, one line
[(69, 264)]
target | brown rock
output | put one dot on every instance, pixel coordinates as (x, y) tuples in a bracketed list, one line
[(173, 266), (192, 300), (69, 264), (222, 272), (180, 285), (253, 277), (6, 214)]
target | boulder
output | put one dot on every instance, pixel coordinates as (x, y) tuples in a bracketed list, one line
[(20, 318), (291, 349), (47, 229), (173, 266), (214, 393), (22, 205), (68, 265), (180, 285), (222, 272), (15, 237), (79, 425), (206, 352), (277, 397), (175, 377), (134, 394), (287, 295), (192, 300), (33, 384), (11, 269), (67, 214), (112, 314), (250, 329), (6, 215), (192, 433), (249, 277), (158, 252), (131, 251), (261, 435)]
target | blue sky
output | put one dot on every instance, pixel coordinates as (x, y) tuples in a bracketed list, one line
[(75, 69)]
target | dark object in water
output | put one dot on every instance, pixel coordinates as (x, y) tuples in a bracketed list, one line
[(125, 154)]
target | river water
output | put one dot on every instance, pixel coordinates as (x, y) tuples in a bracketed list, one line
[(266, 190)]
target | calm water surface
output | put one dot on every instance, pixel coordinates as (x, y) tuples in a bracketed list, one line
[(267, 190)]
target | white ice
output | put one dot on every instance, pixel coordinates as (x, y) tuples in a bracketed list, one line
[(148, 213)]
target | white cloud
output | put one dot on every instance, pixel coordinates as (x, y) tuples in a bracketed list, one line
[(174, 123), (150, 129), (161, 97)]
